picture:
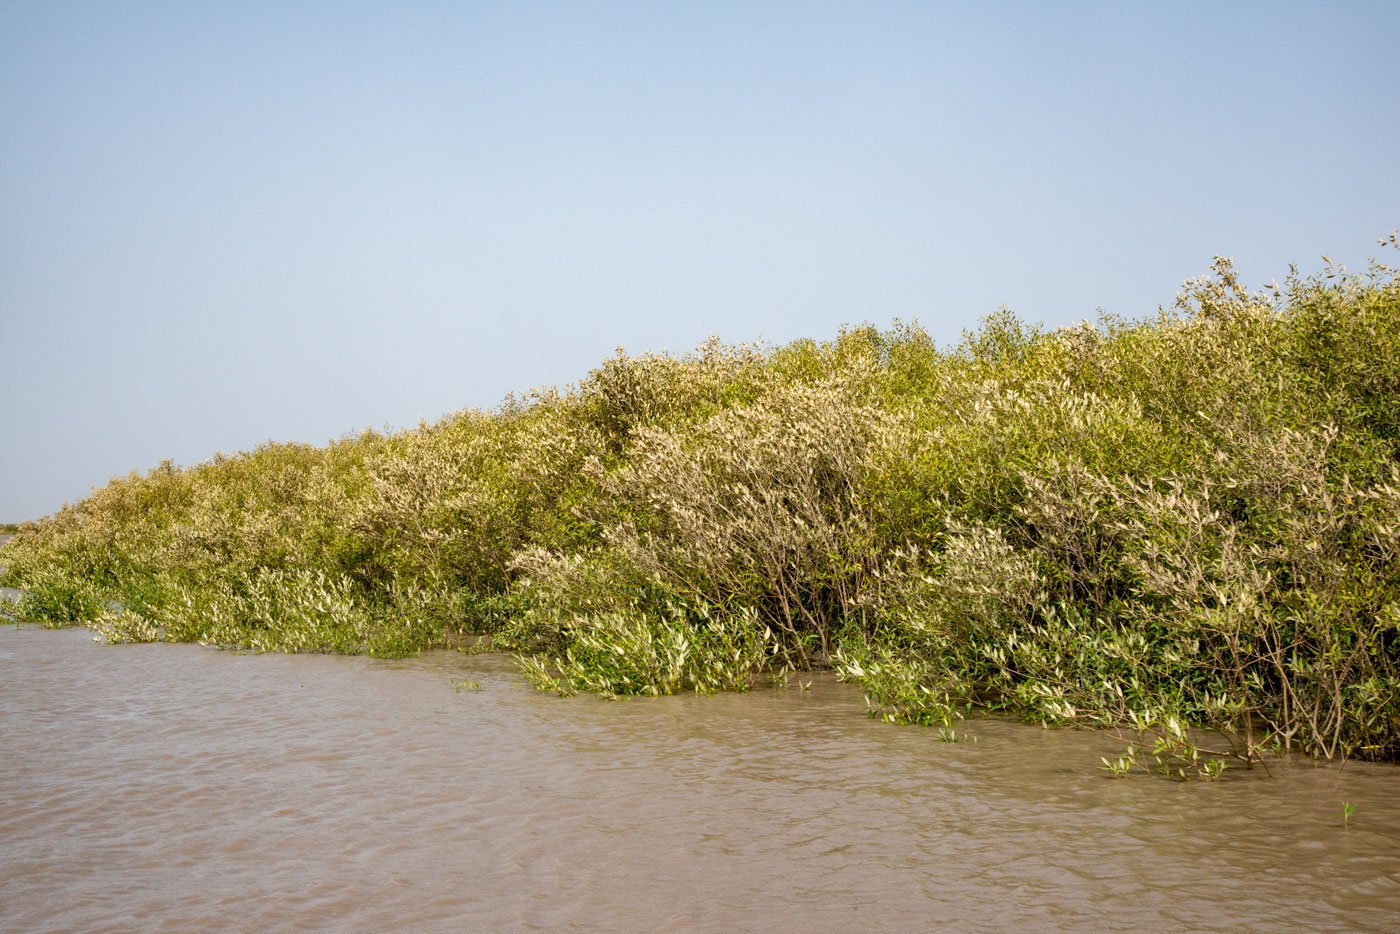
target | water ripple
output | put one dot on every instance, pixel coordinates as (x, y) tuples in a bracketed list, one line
[(179, 788)]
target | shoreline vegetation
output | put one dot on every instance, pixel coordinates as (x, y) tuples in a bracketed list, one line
[(1174, 527)]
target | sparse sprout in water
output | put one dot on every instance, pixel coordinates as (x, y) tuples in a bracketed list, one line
[(1122, 765)]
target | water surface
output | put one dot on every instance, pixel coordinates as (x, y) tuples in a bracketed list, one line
[(183, 788)]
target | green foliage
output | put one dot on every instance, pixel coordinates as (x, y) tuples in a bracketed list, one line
[(1186, 520), (56, 598), (286, 611), (630, 652), (1179, 527)]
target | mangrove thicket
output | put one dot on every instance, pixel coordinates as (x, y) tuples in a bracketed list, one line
[(1188, 520)]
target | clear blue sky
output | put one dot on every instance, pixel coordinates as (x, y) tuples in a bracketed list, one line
[(223, 223)]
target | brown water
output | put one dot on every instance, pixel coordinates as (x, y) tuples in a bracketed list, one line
[(183, 788)]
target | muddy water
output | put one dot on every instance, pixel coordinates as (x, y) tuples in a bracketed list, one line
[(182, 788)]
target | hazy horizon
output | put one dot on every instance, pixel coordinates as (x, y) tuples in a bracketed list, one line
[(229, 225)]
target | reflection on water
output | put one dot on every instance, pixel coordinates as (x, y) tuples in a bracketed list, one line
[(179, 786)]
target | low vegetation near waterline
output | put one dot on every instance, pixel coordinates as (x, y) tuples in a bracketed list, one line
[(1183, 522)]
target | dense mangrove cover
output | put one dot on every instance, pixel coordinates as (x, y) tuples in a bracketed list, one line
[(1186, 520)]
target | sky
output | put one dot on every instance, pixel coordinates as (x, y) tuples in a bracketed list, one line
[(228, 223)]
